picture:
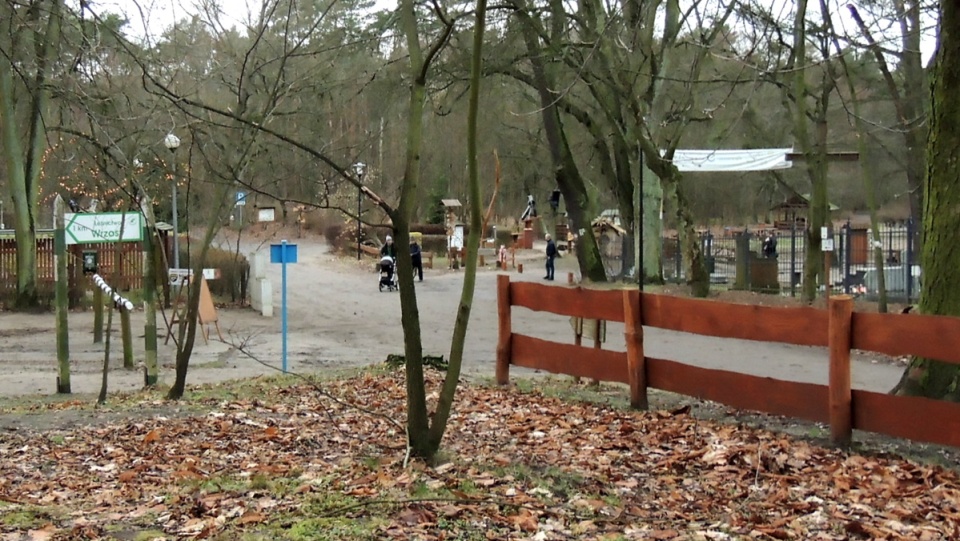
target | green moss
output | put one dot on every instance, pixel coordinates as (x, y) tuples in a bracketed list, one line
[(29, 516), (149, 535), (322, 529)]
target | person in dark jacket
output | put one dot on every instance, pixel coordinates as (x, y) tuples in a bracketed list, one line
[(551, 255), (389, 249), (417, 257), (769, 246)]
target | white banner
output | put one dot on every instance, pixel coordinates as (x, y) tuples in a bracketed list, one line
[(764, 159)]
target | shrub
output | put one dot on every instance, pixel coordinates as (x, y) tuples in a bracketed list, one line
[(234, 272), (333, 233)]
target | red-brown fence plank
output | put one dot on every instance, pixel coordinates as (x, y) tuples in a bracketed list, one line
[(803, 326), (919, 419), (569, 359), (605, 304), (743, 391), (934, 337)]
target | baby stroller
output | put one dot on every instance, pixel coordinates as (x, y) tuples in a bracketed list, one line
[(388, 278)]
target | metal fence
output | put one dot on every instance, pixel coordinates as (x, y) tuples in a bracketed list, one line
[(852, 267)]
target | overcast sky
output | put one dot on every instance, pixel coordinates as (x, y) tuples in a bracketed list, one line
[(160, 14)]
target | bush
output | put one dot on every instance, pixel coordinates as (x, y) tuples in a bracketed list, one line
[(332, 233), (234, 272), (435, 243), (320, 220)]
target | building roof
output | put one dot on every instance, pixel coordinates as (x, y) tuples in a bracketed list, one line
[(451, 203), (800, 201)]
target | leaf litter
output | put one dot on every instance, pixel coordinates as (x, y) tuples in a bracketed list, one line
[(518, 466)]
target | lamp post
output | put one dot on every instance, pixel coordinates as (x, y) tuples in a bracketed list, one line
[(359, 168), (172, 142)]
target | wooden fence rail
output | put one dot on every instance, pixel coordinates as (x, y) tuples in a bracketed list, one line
[(838, 328), (130, 265)]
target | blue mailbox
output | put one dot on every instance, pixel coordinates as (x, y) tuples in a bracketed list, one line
[(283, 253)]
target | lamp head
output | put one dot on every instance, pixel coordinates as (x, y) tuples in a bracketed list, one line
[(171, 141)]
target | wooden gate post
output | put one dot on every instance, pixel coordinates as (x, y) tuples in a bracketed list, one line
[(840, 310), (636, 363), (504, 329), (97, 316)]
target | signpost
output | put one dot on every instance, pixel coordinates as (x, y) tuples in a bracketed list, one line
[(241, 202), (103, 227), (283, 253), (826, 246)]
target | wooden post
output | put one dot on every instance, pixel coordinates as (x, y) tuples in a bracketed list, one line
[(126, 337), (578, 339), (596, 345), (504, 329), (826, 274), (150, 372), (840, 310), (520, 268), (570, 278), (62, 302), (636, 361), (97, 315)]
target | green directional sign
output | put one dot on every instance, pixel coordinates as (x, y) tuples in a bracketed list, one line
[(103, 227)]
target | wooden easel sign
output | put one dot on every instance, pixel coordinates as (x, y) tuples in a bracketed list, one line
[(207, 312)]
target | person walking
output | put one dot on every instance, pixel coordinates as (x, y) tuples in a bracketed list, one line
[(417, 256), (551, 255), (389, 249)]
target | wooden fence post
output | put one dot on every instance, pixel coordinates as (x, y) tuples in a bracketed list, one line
[(97, 315), (505, 329), (62, 302), (840, 310), (126, 337), (636, 363)]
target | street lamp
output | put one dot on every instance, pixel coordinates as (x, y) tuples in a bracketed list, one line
[(172, 142), (359, 168)]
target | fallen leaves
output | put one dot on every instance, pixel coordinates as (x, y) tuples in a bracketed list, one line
[(521, 467)]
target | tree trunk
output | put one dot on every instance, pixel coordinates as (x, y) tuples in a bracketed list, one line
[(698, 279), (418, 424), (866, 172), (445, 404), (187, 332), (23, 169), (568, 177), (652, 194), (940, 255)]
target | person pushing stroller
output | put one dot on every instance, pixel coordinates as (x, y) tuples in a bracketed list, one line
[(388, 265)]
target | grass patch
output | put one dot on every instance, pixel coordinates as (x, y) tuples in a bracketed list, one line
[(29, 516), (559, 482), (566, 388)]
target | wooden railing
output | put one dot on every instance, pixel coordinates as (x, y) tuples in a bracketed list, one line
[(129, 263), (838, 328)]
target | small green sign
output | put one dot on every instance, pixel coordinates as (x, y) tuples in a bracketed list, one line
[(103, 227)]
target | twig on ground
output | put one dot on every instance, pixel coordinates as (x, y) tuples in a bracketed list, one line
[(321, 391)]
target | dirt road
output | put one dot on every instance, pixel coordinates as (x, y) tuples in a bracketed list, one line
[(338, 318)]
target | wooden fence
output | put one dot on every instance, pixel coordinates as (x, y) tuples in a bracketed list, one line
[(130, 265), (838, 328)]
